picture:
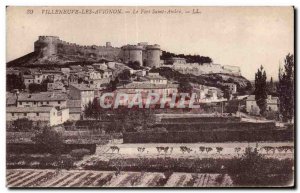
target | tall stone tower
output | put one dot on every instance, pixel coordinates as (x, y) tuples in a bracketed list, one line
[(153, 54), (46, 45), (133, 53)]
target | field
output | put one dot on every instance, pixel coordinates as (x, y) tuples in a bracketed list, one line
[(229, 150), (86, 178)]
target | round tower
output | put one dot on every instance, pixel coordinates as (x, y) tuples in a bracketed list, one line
[(153, 53), (132, 53), (46, 45)]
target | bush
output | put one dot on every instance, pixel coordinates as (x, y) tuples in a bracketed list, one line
[(271, 115), (252, 169), (22, 124), (79, 153), (49, 140)]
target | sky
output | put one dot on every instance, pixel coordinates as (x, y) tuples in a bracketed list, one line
[(241, 36)]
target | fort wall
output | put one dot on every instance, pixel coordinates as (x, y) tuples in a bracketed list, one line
[(52, 45)]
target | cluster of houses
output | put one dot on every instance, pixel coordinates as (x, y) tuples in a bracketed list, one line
[(69, 90)]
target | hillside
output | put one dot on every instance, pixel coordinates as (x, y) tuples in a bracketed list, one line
[(214, 80), (34, 59)]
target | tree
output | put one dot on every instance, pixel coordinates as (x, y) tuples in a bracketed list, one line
[(227, 93), (22, 124), (261, 90), (271, 87), (124, 76), (14, 81), (136, 65), (185, 86), (50, 141), (202, 149), (112, 86), (219, 149), (237, 150), (93, 109), (208, 149), (286, 88), (88, 110)]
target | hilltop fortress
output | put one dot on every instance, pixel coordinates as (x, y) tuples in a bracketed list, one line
[(146, 55), (54, 51)]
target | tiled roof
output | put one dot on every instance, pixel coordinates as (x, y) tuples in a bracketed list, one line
[(43, 96), (75, 110), (43, 109), (11, 98), (154, 76), (76, 67), (83, 87), (28, 77)]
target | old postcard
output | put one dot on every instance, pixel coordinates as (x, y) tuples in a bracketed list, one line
[(150, 97)]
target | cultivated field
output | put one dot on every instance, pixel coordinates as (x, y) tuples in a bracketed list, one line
[(86, 178)]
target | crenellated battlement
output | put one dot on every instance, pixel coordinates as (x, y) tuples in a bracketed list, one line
[(52, 45), (148, 55)]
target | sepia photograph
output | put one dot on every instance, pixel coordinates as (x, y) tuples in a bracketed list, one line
[(150, 97)]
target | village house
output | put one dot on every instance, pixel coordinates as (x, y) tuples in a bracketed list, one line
[(232, 87), (83, 92), (75, 68), (108, 73), (13, 71), (111, 65), (28, 79), (50, 115), (94, 75), (54, 99), (99, 66), (11, 99), (144, 88), (38, 77), (65, 71), (88, 68), (252, 107), (155, 78), (56, 86), (206, 94)]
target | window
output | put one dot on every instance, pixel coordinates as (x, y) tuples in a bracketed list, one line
[(25, 114), (37, 114), (12, 114), (34, 102), (58, 102), (47, 102), (20, 103)]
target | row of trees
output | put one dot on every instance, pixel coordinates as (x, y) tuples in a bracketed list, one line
[(285, 89), (189, 58)]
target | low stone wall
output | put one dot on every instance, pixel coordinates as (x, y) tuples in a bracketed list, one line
[(198, 126), (33, 148), (208, 136)]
